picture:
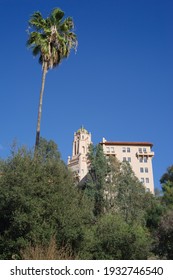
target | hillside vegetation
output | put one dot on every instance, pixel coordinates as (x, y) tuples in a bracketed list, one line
[(44, 214)]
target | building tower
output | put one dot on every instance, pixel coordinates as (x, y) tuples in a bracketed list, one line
[(78, 163)]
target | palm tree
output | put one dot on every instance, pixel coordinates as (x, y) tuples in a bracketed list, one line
[(52, 39)]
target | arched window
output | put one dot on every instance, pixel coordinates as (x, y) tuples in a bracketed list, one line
[(75, 148), (78, 147)]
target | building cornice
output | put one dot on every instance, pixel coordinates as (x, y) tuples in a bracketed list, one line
[(111, 143)]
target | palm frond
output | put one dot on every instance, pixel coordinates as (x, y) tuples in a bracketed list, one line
[(67, 25), (56, 15), (36, 50), (36, 38), (33, 37), (37, 21)]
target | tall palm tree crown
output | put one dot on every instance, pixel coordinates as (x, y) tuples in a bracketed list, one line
[(52, 39)]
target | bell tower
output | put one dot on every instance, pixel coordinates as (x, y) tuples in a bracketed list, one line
[(78, 163)]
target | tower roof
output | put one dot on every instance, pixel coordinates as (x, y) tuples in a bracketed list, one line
[(82, 129)]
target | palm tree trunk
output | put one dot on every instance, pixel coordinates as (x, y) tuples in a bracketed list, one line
[(40, 106)]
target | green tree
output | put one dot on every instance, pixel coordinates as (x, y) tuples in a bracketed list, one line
[(117, 240), (129, 194), (52, 39), (38, 201), (167, 187), (167, 176), (112, 181), (114, 187), (154, 211), (165, 236), (94, 183), (164, 230)]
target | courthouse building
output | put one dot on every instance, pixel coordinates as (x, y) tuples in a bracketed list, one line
[(138, 154)]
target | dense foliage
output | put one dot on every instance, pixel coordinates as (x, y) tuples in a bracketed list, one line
[(109, 215), (39, 200), (165, 227)]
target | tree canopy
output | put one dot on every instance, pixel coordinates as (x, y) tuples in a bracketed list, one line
[(39, 200), (108, 216)]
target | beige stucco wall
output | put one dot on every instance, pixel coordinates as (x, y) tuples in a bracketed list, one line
[(139, 156)]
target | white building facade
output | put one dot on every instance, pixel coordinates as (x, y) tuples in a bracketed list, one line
[(138, 154)]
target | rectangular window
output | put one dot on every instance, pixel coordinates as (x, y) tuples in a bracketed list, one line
[(142, 180), (128, 150), (146, 169), (141, 170), (112, 149), (129, 159), (124, 149), (147, 180), (145, 159), (141, 159), (140, 150), (108, 150), (144, 150), (124, 158)]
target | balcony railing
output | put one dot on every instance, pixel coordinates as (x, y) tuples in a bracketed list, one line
[(143, 154)]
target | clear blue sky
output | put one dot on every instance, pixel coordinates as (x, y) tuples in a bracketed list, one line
[(119, 85)]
